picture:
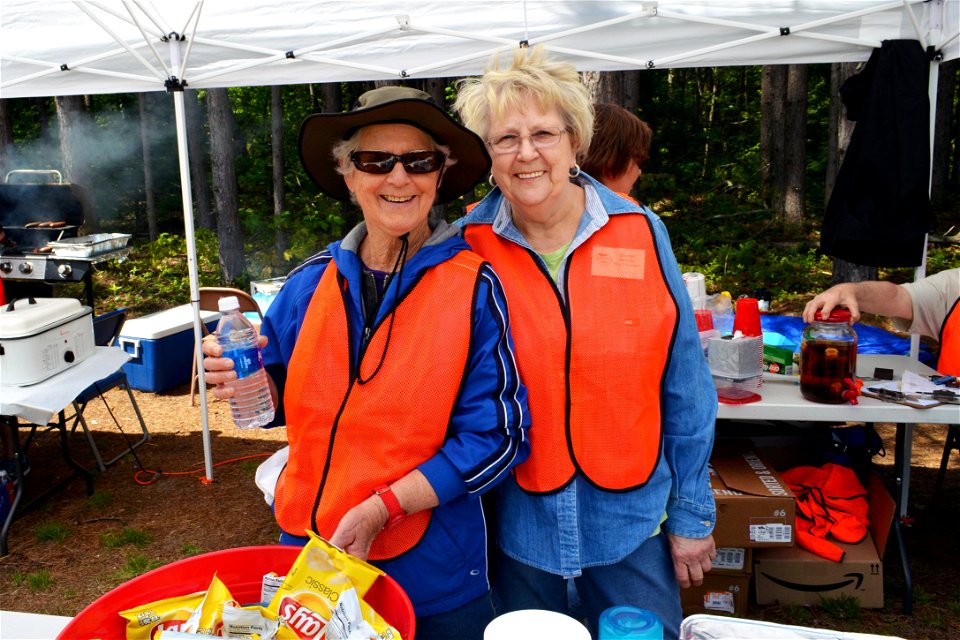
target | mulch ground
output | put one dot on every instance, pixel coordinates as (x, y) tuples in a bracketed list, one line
[(73, 548)]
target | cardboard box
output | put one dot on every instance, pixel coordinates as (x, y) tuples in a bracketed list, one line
[(162, 347), (779, 360), (755, 507), (796, 576), (719, 594)]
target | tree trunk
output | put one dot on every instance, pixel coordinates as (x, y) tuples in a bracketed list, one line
[(6, 139), (794, 153), (946, 126), (437, 88), (76, 135), (149, 193), (773, 87), (840, 129), (712, 93), (331, 96), (222, 153), (279, 193), (631, 90), (199, 159)]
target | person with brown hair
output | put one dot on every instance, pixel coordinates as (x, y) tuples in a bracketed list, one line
[(620, 147)]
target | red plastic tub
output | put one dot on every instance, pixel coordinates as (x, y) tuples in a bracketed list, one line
[(240, 569)]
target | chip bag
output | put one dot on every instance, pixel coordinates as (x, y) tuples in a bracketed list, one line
[(322, 597), (198, 613)]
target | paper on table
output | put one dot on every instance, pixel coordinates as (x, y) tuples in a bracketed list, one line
[(38, 403), (911, 384)]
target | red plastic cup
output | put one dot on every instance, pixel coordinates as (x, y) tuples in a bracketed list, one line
[(704, 319), (747, 318)]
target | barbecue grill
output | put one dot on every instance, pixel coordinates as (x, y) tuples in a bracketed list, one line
[(34, 215)]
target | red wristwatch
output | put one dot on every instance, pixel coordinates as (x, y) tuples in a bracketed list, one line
[(395, 512)]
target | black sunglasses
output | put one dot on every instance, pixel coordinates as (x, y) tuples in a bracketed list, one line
[(414, 162)]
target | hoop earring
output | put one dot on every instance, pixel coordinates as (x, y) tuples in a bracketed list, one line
[(492, 182), (574, 171)]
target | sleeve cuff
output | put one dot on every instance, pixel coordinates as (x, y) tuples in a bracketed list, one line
[(443, 477), (690, 522)]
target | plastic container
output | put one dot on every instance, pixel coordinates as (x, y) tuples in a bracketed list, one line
[(251, 403), (828, 357), (241, 569), (630, 623), (535, 623), (162, 347)]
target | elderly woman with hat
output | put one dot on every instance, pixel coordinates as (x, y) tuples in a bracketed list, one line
[(392, 362)]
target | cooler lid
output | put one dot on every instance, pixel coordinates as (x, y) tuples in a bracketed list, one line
[(30, 316), (164, 323)]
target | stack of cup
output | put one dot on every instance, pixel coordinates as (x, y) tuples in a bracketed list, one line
[(630, 623), (696, 288), (747, 322)]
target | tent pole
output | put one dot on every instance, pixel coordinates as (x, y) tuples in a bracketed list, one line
[(933, 84), (176, 88)]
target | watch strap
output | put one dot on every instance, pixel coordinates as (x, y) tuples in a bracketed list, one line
[(395, 512)]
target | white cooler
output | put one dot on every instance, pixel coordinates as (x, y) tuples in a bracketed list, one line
[(40, 337)]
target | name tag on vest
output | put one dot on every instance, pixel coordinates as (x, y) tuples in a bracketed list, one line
[(614, 262)]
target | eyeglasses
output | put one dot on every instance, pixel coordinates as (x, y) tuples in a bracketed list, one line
[(414, 162), (542, 139)]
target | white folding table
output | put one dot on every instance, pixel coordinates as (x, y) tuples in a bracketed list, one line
[(781, 401)]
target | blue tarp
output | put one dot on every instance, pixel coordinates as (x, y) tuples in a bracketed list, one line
[(870, 339)]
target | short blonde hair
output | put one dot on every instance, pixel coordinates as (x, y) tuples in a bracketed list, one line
[(531, 77)]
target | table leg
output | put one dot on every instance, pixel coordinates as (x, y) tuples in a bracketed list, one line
[(18, 492), (901, 461)]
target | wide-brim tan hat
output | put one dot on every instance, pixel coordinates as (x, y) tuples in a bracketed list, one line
[(392, 105)]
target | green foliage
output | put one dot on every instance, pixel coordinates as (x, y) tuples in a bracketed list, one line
[(39, 581), (843, 608), (187, 549), (53, 531), (100, 500), (126, 536), (135, 565)]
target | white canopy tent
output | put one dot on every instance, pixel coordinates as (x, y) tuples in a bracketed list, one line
[(58, 47)]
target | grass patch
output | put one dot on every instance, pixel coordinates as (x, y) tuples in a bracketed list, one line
[(136, 565), (52, 531), (100, 500), (126, 536), (797, 614), (39, 581), (842, 608), (922, 596), (188, 549), (954, 605), (249, 467), (17, 578), (935, 620)]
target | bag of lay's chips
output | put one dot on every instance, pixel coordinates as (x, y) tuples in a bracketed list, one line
[(198, 613), (321, 597)]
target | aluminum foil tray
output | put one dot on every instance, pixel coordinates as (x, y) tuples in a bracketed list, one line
[(87, 246)]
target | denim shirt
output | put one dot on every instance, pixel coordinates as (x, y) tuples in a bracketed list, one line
[(583, 526)]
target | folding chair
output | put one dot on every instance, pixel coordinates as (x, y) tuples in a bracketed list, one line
[(209, 299), (106, 328)]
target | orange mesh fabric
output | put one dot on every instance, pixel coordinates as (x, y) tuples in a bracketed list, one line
[(622, 319), (346, 438)]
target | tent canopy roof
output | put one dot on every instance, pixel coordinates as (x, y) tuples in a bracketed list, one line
[(61, 48)]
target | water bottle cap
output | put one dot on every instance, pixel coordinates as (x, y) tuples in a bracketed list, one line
[(630, 622), (228, 303)]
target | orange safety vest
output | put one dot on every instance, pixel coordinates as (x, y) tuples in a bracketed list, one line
[(348, 437), (949, 360), (593, 366)]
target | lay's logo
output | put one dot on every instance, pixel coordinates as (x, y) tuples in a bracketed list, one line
[(168, 625), (306, 623)]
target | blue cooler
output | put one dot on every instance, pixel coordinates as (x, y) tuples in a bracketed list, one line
[(162, 347)]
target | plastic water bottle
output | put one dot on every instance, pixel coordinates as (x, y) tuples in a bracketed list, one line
[(251, 404), (630, 623)]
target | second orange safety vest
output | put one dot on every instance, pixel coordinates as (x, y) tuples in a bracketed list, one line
[(949, 360), (593, 365), (348, 437)]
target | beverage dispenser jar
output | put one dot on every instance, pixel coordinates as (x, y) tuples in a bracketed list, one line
[(828, 357)]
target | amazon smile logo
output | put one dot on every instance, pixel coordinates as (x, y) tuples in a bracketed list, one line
[(797, 586)]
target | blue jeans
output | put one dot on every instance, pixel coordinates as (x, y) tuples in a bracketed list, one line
[(465, 623), (643, 579)]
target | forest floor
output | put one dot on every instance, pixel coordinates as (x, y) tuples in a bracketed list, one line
[(74, 548)]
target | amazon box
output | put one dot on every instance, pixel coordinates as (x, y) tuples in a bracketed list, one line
[(755, 506), (720, 593), (797, 576)]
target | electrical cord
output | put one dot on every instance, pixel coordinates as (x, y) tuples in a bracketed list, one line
[(152, 475)]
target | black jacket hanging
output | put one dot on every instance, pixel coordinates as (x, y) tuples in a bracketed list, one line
[(879, 210)]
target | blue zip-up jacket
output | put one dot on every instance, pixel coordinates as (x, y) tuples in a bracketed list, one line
[(448, 568), (581, 525)]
